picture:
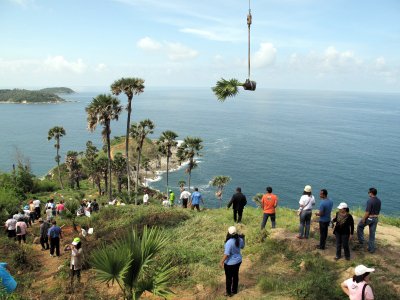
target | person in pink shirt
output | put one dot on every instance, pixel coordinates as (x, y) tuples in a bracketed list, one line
[(358, 288), (60, 208), (20, 229)]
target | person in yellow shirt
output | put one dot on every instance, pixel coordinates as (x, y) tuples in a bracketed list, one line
[(269, 202)]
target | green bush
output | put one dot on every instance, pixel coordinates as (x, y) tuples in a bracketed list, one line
[(41, 186), (9, 203)]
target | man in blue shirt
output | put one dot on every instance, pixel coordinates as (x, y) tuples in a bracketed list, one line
[(196, 197), (54, 235), (324, 213), (370, 219)]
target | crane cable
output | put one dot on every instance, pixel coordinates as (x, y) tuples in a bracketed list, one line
[(249, 19)]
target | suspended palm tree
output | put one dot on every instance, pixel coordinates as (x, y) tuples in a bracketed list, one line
[(102, 110), (130, 87), (220, 182), (187, 151), (167, 141), (139, 132), (131, 262), (257, 199), (230, 88), (56, 133)]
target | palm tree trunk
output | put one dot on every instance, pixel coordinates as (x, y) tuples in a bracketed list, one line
[(137, 174), (190, 173), (128, 125), (109, 161), (58, 164), (167, 170)]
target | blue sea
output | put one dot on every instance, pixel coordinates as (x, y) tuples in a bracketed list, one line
[(345, 142)]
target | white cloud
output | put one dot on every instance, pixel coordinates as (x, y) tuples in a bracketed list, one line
[(380, 63), (59, 63), (100, 67), (147, 43), (22, 3), (264, 56), (221, 34), (175, 51)]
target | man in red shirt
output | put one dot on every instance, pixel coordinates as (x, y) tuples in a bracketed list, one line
[(269, 202)]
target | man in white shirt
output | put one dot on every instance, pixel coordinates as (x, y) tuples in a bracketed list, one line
[(185, 195), (36, 203), (10, 227), (145, 198)]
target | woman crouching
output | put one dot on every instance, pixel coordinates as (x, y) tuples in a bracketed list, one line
[(232, 259)]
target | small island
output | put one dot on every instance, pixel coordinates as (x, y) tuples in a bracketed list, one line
[(22, 96)]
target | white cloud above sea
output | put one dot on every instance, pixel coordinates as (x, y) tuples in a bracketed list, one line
[(59, 63), (175, 51), (264, 56)]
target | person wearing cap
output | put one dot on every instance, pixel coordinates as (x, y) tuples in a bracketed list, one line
[(171, 198), (269, 202), (232, 259), (324, 213), (306, 203), (44, 239), (343, 231), (370, 219), (238, 202), (358, 288), (76, 259)]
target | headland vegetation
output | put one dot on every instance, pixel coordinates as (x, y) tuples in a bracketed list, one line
[(22, 96)]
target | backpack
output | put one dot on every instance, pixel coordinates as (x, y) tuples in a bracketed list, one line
[(18, 230)]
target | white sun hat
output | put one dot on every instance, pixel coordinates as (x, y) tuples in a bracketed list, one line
[(361, 269), (342, 205), (232, 230)]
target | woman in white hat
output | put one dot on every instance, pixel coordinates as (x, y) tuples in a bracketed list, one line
[(232, 259), (358, 288), (343, 231), (306, 203)]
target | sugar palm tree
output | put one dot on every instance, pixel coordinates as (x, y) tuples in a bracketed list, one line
[(230, 88), (166, 142), (139, 132), (130, 87), (102, 110), (56, 133), (74, 168), (220, 182), (187, 151), (131, 262), (119, 168)]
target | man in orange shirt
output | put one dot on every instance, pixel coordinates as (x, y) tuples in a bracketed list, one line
[(269, 202)]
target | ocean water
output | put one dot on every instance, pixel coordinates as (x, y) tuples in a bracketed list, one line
[(345, 142)]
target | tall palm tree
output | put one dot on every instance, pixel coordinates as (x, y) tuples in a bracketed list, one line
[(102, 110), (132, 263), (119, 168), (74, 168), (130, 87), (190, 148), (139, 132), (56, 133), (166, 142), (220, 182), (145, 165)]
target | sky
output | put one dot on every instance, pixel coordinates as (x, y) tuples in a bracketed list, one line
[(295, 44)]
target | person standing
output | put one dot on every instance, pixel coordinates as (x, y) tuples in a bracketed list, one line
[(76, 260), (324, 213), (7, 280), (32, 212), (232, 259), (145, 198), (306, 203), (238, 202), (44, 239), (185, 195), (171, 198), (37, 203), (54, 235), (196, 198), (20, 229), (269, 202), (343, 231), (10, 225), (358, 287), (370, 219), (95, 206)]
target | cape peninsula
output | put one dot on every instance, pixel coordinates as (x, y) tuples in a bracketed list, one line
[(22, 96)]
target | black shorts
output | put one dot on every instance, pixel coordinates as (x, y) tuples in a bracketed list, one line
[(21, 237), (11, 233)]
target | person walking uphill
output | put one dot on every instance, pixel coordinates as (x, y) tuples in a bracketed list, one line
[(370, 219), (324, 213), (232, 259), (305, 211), (54, 235), (269, 202), (238, 202), (44, 239), (76, 259)]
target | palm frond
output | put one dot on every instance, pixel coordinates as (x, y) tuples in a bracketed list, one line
[(226, 88)]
